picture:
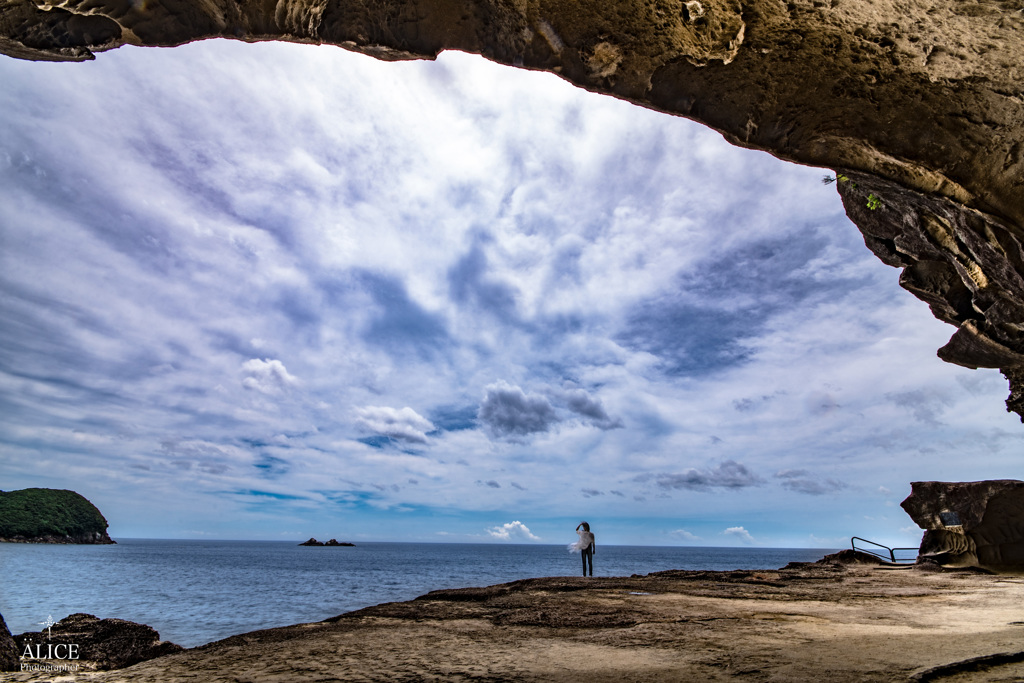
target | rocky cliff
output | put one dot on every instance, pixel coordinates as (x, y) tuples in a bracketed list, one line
[(50, 516), (918, 103), (970, 524)]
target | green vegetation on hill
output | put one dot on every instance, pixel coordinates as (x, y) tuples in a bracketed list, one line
[(36, 513)]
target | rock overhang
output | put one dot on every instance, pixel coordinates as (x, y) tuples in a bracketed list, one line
[(919, 107), (970, 524)]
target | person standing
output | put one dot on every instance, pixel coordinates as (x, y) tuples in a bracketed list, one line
[(586, 546)]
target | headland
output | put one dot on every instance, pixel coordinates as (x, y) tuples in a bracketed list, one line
[(50, 516)]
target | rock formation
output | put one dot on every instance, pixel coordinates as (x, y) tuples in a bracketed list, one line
[(8, 648), (970, 524), (102, 643), (817, 622), (50, 516), (919, 104), (849, 556), (332, 542)]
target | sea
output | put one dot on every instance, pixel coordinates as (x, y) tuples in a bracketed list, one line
[(196, 592)]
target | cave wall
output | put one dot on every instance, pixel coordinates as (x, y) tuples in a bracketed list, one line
[(970, 524), (917, 104)]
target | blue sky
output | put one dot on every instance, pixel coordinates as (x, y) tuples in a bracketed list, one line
[(276, 291)]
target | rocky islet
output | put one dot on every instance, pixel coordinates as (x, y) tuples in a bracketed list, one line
[(331, 543)]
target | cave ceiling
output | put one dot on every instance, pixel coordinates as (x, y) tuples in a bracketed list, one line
[(917, 105)]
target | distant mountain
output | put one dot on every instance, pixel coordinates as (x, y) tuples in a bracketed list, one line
[(50, 516)]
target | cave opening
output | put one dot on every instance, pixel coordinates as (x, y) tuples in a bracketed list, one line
[(301, 277)]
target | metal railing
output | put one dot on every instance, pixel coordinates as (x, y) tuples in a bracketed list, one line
[(888, 556)]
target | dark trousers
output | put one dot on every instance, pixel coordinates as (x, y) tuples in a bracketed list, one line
[(588, 558)]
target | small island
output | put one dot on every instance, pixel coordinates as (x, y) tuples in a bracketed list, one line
[(50, 516), (332, 542)]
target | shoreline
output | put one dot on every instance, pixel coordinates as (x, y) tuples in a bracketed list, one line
[(226, 598), (817, 621)]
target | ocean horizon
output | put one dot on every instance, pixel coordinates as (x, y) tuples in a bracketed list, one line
[(198, 591)]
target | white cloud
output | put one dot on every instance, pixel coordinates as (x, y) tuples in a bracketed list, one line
[(684, 535), (512, 531), (404, 424), (740, 533), (266, 376)]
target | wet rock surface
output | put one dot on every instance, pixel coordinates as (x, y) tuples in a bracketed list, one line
[(919, 103), (101, 644)]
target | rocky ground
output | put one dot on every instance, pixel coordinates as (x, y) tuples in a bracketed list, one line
[(811, 622)]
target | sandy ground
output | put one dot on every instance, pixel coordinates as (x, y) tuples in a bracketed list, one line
[(812, 623)]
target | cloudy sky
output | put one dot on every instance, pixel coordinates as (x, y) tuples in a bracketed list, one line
[(276, 291)]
